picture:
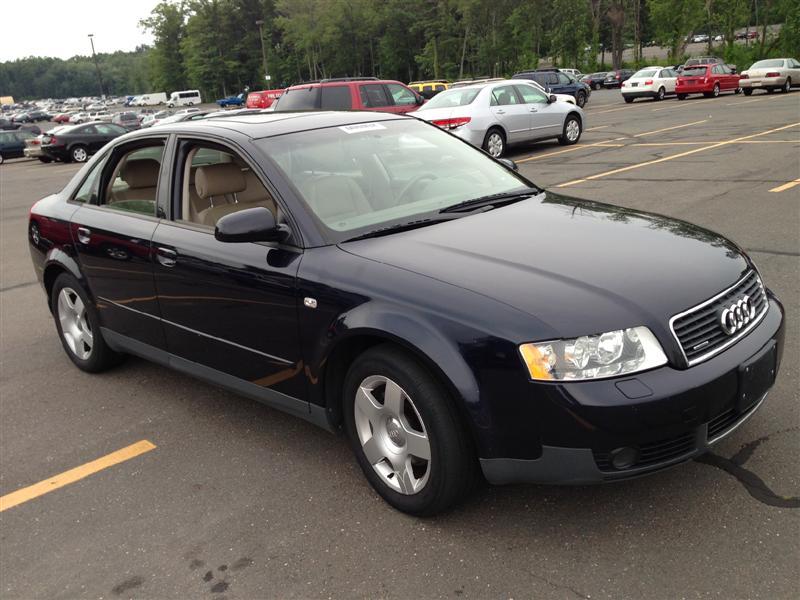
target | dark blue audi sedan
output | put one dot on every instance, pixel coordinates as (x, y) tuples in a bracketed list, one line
[(376, 275)]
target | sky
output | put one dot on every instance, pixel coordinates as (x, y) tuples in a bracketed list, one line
[(59, 28)]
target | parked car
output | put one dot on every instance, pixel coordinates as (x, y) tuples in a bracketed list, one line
[(151, 119), (709, 80), (77, 143), (397, 304), (128, 120), (346, 93), (428, 89), (495, 115), (556, 82), (21, 117), (650, 82), (152, 99), (7, 124), (12, 144), (231, 101), (79, 117), (704, 60), (573, 72), (747, 35), (262, 98), (184, 98), (36, 115), (33, 145), (100, 115), (614, 79), (96, 107), (594, 80), (771, 74), (179, 117), (699, 38), (62, 117)]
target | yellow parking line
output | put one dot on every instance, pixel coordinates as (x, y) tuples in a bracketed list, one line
[(596, 128), (670, 128), (73, 475), (786, 186), (674, 156), (722, 142), (570, 149), (680, 103)]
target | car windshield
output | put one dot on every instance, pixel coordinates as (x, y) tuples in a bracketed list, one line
[(694, 71), (367, 176), (644, 73), (768, 64), (452, 98)]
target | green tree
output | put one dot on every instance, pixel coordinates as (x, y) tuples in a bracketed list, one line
[(673, 20), (167, 24)]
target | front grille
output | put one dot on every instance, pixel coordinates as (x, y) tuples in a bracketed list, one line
[(651, 453), (698, 330)]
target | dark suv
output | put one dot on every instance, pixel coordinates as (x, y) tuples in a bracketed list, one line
[(366, 93), (128, 120), (558, 82)]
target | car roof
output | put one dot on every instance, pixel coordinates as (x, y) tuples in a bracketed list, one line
[(269, 124)]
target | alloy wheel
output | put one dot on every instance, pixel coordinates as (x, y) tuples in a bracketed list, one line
[(75, 327), (573, 130), (79, 155), (494, 144), (660, 93), (392, 435), (787, 87), (716, 91)]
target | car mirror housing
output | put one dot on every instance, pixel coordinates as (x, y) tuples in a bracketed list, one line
[(420, 100), (250, 225), (509, 163), (551, 99)]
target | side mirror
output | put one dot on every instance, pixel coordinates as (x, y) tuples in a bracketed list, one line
[(420, 100), (509, 163), (250, 225), (551, 98)]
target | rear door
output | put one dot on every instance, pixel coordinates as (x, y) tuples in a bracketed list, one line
[(508, 108)]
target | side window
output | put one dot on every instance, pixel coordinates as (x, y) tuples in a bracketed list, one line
[(563, 78), (87, 130), (87, 193), (336, 97), (373, 95), (530, 95), (217, 182), (107, 129), (133, 183), (716, 70), (552, 78), (401, 95), (504, 95)]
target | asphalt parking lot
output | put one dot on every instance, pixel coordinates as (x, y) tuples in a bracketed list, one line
[(231, 499)]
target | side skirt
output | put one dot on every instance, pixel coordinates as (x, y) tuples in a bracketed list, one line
[(288, 404)]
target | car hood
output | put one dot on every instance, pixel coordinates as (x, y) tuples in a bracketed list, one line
[(578, 267)]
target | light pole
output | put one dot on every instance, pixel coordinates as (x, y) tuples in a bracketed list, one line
[(97, 66), (260, 24)]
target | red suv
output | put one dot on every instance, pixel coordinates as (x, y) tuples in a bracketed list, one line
[(262, 99), (366, 93), (708, 80)]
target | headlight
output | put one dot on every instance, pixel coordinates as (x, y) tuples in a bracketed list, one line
[(594, 356)]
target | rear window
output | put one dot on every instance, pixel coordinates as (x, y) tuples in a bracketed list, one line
[(644, 73), (299, 99), (768, 64), (694, 71), (336, 97), (452, 98)]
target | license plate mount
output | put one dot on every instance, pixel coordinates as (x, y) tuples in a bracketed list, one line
[(756, 376)]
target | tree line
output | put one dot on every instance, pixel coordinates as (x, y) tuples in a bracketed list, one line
[(216, 45)]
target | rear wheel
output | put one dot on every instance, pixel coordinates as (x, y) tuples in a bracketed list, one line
[(44, 159), (406, 433), (78, 326), (787, 87), (681, 96), (627, 99), (661, 93), (770, 90), (494, 143), (737, 91), (79, 153), (572, 131), (747, 91)]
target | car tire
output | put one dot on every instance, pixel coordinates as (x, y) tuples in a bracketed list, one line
[(660, 94), (571, 133), (1, 159), (681, 96), (627, 99), (580, 99), (737, 91), (770, 90), (787, 86), (78, 153), (44, 159), (747, 91), (494, 144), (380, 434), (715, 91), (74, 312)]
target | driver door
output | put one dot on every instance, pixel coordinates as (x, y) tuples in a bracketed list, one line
[(545, 118)]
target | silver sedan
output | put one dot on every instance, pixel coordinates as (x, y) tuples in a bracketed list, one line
[(771, 74), (495, 115)]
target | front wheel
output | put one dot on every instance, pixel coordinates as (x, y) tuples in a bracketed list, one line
[(494, 143), (572, 131), (79, 154), (406, 433), (580, 99), (747, 91), (78, 326)]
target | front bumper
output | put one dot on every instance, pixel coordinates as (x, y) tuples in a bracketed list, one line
[(762, 82), (667, 416)]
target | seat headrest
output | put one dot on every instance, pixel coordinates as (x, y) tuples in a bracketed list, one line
[(142, 173), (218, 180)]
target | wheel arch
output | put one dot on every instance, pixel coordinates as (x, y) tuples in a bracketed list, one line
[(59, 262)]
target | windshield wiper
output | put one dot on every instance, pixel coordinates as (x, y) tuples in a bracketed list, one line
[(493, 200), (412, 225)]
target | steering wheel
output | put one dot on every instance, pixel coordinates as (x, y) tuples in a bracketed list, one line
[(402, 195)]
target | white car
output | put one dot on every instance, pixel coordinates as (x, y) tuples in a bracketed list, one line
[(494, 115), (574, 72), (650, 82), (79, 117), (100, 115), (771, 74)]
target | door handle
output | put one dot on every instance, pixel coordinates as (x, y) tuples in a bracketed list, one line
[(166, 257), (84, 235), (534, 110), (500, 111)]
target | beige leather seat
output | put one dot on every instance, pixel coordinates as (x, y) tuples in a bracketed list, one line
[(335, 197), (227, 189), (142, 179)]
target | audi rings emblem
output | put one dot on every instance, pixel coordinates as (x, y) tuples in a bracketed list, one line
[(736, 316)]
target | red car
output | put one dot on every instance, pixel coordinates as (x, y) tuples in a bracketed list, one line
[(709, 80), (350, 93), (62, 118), (262, 99)]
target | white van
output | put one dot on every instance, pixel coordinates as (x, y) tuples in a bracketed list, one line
[(184, 98), (150, 99)]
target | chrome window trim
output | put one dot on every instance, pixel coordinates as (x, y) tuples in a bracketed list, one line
[(732, 340)]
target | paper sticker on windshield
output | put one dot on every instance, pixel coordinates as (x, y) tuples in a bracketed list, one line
[(361, 127)]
